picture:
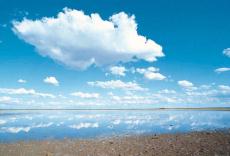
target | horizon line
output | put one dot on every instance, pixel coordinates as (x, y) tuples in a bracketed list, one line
[(121, 109)]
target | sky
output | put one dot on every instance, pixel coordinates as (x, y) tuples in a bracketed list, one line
[(116, 54)]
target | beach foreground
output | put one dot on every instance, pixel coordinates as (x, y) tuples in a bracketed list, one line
[(195, 143)]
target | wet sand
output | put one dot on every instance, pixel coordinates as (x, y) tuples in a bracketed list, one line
[(192, 144)]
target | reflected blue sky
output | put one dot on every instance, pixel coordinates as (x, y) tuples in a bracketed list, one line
[(39, 125)]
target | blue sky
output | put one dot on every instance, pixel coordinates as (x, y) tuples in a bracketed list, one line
[(107, 59)]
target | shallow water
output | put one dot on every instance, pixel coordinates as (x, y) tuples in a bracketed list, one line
[(57, 124)]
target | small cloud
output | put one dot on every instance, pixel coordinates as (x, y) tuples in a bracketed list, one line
[(117, 84), (151, 73), (186, 85), (62, 96), (110, 93), (154, 76), (144, 70), (8, 100), (22, 81), (118, 70), (224, 88), (227, 52), (205, 87), (86, 95), (23, 91), (167, 91), (220, 70), (51, 80), (130, 99)]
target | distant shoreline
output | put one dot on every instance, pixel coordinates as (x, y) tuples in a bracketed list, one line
[(130, 109)]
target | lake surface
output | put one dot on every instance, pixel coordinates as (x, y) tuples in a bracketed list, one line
[(57, 124)]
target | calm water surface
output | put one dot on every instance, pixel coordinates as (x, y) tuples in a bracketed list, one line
[(39, 125)]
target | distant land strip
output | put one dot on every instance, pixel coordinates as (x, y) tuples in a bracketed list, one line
[(128, 109)]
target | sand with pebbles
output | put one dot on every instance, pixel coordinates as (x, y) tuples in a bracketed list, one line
[(195, 143)]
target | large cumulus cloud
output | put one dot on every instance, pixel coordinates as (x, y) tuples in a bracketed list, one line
[(79, 40)]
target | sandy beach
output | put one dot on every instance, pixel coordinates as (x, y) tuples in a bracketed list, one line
[(195, 143)]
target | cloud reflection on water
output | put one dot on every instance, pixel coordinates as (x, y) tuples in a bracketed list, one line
[(24, 125)]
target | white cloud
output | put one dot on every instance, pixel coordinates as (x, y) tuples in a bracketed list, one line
[(186, 84), (227, 52), (118, 70), (23, 91), (86, 95), (224, 88), (167, 91), (154, 76), (51, 80), (166, 98), (117, 84), (151, 73), (220, 70), (203, 95), (144, 70), (8, 100), (131, 99), (21, 81), (205, 87), (211, 91), (18, 91), (79, 40), (85, 125)]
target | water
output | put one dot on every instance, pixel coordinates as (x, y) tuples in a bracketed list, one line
[(39, 125)]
